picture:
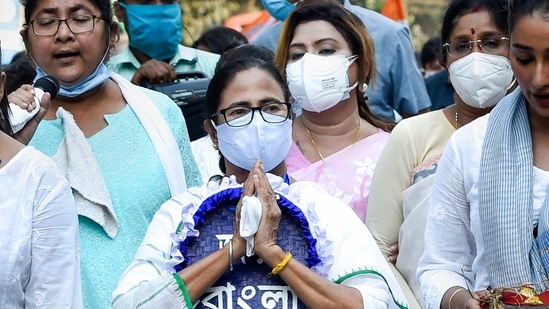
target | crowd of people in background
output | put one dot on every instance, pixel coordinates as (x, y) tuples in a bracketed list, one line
[(334, 167)]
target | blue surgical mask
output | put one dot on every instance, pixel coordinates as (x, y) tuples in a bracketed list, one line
[(243, 146), (279, 9), (98, 77), (154, 29)]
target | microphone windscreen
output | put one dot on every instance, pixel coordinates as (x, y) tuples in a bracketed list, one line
[(48, 84)]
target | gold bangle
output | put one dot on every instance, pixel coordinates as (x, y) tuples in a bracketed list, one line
[(280, 266), (452, 296)]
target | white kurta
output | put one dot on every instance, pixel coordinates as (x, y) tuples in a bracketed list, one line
[(454, 249), (344, 244), (40, 266)]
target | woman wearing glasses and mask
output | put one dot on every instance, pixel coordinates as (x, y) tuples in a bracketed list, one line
[(475, 53), (124, 149), (256, 238)]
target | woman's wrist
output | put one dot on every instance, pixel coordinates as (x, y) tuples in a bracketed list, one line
[(239, 248), (231, 254), (457, 298), (281, 265), (271, 254)]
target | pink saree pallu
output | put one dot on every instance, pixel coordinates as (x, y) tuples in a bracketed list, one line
[(346, 174)]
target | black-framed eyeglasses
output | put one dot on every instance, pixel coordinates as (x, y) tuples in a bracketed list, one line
[(239, 116), (489, 45), (77, 24)]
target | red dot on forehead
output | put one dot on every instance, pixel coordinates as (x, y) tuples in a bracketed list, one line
[(475, 9), (473, 31)]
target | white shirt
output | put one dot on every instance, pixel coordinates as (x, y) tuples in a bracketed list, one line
[(454, 249), (40, 266), (206, 157), (344, 245)]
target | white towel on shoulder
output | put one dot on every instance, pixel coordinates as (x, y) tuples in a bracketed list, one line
[(75, 159)]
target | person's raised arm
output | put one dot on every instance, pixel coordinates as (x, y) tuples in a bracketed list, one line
[(24, 98), (314, 290), (201, 275)]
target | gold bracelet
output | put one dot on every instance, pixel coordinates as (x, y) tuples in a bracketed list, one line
[(452, 296), (280, 266)]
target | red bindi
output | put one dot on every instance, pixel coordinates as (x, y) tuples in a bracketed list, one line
[(473, 31), (475, 9)]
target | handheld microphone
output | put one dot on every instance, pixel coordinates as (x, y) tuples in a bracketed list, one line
[(19, 117)]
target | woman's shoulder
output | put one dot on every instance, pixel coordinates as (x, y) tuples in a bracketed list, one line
[(165, 105), (424, 130), (193, 195), (423, 124), (33, 172), (135, 92), (30, 160)]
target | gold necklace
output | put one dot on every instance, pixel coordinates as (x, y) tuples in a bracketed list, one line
[(314, 144)]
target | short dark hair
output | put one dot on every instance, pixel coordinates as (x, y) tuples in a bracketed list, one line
[(219, 39), (245, 51), (431, 51), (227, 72), (19, 72)]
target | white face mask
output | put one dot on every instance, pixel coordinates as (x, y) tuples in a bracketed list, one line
[(318, 83), (243, 146), (481, 79)]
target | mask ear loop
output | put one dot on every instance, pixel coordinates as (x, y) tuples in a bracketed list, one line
[(32, 59), (28, 52), (512, 84), (348, 89), (108, 45), (350, 60)]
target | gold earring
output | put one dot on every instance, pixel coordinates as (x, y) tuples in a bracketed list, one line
[(215, 147)]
